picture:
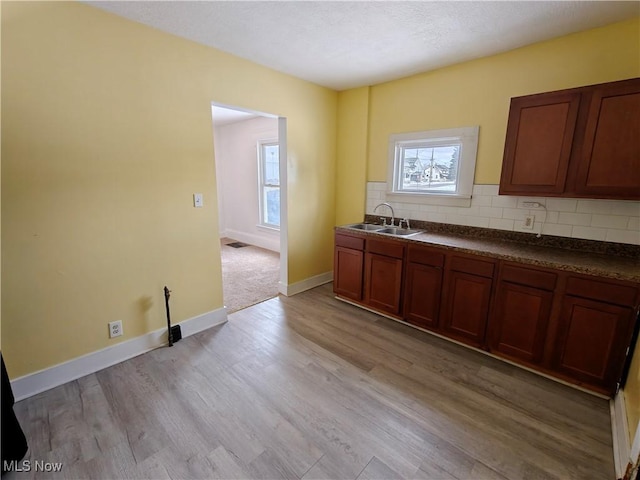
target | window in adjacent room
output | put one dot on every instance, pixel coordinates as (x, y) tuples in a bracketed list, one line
[(269, 183), (434, 166)]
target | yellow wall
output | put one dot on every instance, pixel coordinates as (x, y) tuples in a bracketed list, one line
[(478, 92), (473, 93), (632, 394), (106, 134), (353, 115)]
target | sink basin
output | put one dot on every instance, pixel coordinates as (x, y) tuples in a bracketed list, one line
[(403, 232), (367, 226), (397, 231)]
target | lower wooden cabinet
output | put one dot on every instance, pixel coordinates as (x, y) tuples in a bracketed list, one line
[(423, 286), (592, 339), (383, 275), (571, 326), (348, 267), (467, 295), (522, 309), (594, 330)]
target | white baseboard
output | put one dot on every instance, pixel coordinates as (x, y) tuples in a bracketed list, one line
[(269, 242), (308, 284), (51, 377), (620, 433)]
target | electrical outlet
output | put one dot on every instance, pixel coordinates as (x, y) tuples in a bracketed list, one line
[(115, 329), (529, 220)]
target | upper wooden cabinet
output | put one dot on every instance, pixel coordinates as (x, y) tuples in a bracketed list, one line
[(538, 145), (581, 142), (609, 162)]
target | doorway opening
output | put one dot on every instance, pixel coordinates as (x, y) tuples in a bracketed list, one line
[(250, 153)]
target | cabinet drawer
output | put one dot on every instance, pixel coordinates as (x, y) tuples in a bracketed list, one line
[(529, 277), (624, 295), (348, 241), (425, 256), (472, 266), (389, 249)]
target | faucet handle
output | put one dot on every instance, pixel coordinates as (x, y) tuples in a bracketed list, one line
[(406, 221), (384, 221)]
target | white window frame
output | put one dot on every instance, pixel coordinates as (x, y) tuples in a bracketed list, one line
[(262, 184), (467, 137)]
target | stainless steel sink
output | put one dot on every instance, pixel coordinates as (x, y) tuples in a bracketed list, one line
[(402, 232), (397, 231), (366, 226)]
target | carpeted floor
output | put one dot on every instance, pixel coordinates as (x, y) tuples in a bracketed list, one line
[(249, 275)]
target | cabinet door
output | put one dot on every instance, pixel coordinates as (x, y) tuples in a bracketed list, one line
[(592, 340), (609, 161), (467, 307), (538, 144), (347, 271), (383, 282), (519, 324), (423, 288)]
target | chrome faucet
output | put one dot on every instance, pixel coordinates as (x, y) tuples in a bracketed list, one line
[(393, 215)]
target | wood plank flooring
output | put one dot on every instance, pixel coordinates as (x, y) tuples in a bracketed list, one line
[(308, 387)]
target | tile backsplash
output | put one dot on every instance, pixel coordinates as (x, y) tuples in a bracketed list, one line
[(591, 219)]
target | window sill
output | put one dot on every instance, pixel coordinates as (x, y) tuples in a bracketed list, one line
[(268, 228)]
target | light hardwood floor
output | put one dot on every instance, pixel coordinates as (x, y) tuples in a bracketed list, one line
[(310, 387)]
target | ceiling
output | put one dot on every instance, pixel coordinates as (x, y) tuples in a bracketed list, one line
[(225, 116), (348, 44)]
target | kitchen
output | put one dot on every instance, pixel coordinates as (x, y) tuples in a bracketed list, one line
[(92, 228)]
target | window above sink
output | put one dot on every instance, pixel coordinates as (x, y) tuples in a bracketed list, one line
[(432, 167)]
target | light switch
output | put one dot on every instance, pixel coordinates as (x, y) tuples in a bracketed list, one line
[(197, 200)]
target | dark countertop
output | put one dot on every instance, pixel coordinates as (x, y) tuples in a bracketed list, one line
[(603, 259)]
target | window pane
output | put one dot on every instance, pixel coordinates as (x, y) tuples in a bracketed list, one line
[(271, 165), (271, 205), (269, 184), (429, 168)]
